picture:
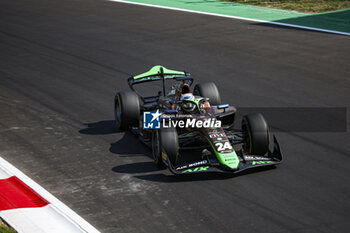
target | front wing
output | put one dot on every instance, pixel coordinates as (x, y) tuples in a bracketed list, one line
[(246, 162)]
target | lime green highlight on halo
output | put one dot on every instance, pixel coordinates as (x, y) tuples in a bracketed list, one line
[(157, 70), (196, 101)]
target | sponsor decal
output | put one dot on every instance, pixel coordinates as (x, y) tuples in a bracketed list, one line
[(193, 164), (250, 157), (198, 163), (164, 156), (228, 154), (151, 120), (223, 146), (261, 162), (197, 169), (217, 135), (230, 159), (182, 167)]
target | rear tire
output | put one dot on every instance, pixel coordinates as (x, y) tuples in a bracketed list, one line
[(256, 134), (126, 110), (208, 90)]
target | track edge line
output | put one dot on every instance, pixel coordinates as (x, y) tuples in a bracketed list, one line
[(234, 17)]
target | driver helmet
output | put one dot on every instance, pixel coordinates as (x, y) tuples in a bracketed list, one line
[(186, 96)]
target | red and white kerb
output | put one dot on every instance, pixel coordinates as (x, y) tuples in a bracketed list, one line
[(29, 208), (15, 194)]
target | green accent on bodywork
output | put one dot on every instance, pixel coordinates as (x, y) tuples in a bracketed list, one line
[(156, 70), (190, 133), (196, 101), (197, 169), (261, 162), (229, 159)]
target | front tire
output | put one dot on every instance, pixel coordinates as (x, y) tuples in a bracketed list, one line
[(157, 155), (126, 110), (256, 134), (165, 141)]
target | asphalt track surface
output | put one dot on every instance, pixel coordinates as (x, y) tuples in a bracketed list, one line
[(61, 63)]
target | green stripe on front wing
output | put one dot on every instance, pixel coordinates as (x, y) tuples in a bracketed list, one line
[(231, 159)]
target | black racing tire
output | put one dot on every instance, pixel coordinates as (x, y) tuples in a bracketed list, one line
[(156, 153), (208, 90), (169, 144), (256, 134), (126, 110)]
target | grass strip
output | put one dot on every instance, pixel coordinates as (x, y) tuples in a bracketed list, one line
[(5, 228), (305, 6)]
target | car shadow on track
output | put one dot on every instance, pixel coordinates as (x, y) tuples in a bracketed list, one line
[(99, 128), (136, 168), (167, 177), (199, 176), (129, 146)]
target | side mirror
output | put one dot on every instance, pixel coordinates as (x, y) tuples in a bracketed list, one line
[(223, 106), (170, 111)]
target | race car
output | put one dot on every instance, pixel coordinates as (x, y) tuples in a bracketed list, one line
[(191, 131)]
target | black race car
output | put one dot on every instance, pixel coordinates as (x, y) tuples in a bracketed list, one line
[(192, 131)]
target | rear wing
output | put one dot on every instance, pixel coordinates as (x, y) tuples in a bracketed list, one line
[(158, 73)]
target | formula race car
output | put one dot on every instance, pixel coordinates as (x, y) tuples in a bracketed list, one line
[(192, 131)]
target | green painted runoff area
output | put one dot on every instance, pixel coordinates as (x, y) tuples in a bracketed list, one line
[(334, 20)]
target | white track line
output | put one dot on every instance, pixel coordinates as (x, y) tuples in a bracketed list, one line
[(233, 17), (54, 209)]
